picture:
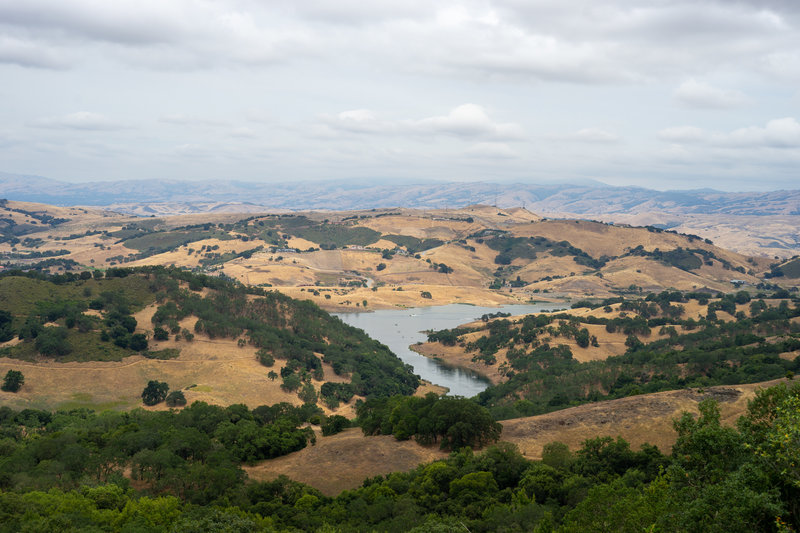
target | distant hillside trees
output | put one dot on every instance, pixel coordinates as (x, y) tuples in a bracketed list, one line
[(49, 313)]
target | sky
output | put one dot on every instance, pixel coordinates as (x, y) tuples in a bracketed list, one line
[(665, 94)]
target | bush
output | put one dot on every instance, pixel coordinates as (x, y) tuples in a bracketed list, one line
[(6, 331), (160, 334), (13, 381), (155, 392), (176, 399), (138, 342), (53, 341), (291, 382), (334, 424), (308, 394), (265, 358)]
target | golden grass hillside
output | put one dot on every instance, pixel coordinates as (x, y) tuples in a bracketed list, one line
[(343, 461), (455, 248)]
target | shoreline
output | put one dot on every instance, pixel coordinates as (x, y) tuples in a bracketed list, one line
[(425, 349)]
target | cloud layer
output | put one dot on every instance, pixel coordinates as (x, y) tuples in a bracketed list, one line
[(625, 90)]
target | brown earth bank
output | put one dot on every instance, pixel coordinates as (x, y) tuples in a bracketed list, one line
[(343, 461)]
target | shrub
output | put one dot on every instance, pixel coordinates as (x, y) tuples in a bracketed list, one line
[(155, 392), (334, 424), (138, 342), (53, 341), (265, 358), (13, 381), (176, 399)]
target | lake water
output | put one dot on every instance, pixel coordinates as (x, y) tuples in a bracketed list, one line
[(400, 328)]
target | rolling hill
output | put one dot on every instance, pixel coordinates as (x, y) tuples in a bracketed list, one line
[(754, 223), (386, 257)]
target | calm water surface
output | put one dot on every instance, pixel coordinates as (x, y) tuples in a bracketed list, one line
[(400, 328)]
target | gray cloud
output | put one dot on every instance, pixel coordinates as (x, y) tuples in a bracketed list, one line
[(698, 94), (346, 88), (683, 134), (491, 150), (187, 120), (28, 54), (778, 133), (81, 120), (577, 41), (783, 133), (594, 135), (122, 21)]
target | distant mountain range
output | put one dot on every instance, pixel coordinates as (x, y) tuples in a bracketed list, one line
[(201, 196)]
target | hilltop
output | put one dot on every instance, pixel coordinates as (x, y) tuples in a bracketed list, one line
[(754, 223), (388, 257)]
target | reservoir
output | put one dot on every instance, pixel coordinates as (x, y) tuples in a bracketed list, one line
[(400, 328)]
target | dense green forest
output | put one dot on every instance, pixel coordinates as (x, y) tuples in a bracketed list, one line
[(452, 423), (178, 471), (544, 376), (49, 313)]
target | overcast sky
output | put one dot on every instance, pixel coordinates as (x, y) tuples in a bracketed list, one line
[(660, 93)]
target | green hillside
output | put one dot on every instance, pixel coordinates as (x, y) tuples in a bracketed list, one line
[(77, 317)]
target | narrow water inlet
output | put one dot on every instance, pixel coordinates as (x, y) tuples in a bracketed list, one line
[(400, 328)]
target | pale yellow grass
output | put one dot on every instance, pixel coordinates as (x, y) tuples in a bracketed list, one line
[(343, 461), (388, 298), (180, 256), (216, 371), (421, 227), (638, 419), (301, 244), (384, 244)]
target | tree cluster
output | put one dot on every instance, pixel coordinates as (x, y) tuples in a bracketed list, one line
[(62, 471), (453, 423)]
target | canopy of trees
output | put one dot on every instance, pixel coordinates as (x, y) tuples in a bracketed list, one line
[(452, 422), (155, 392), (543, 375), (63, 471)]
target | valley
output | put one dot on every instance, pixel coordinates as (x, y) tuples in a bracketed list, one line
[(229, 313)]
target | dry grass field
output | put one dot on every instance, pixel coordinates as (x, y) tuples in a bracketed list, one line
[(216, 371), (343, 461)]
